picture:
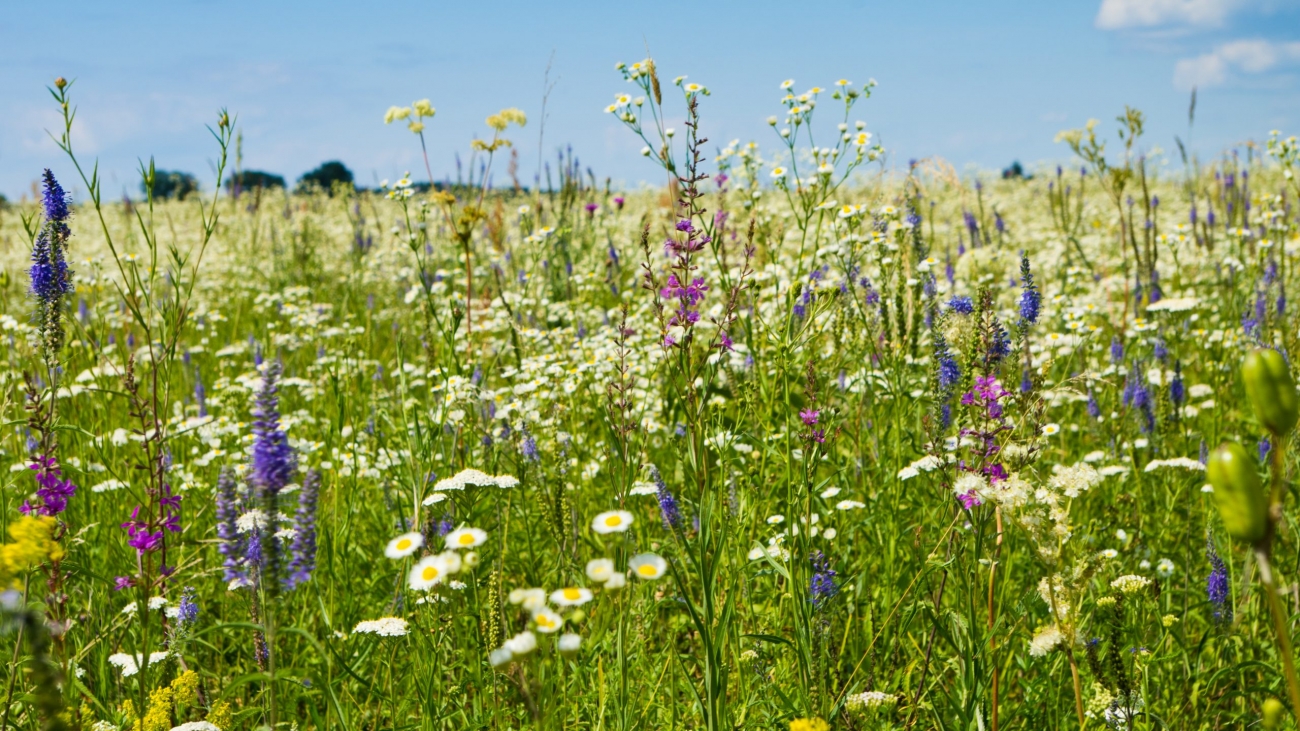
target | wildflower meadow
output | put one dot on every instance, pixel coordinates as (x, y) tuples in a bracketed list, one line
[(795, 436)]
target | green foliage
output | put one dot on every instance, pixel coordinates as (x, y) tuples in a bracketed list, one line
[(254, 179), (171, 185), (326, 178)]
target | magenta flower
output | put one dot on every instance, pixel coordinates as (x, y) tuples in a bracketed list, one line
[(809, 416), (52, 489)]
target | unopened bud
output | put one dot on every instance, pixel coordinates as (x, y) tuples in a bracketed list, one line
[(1273, 709), (1238, 492), (1271, 390), (60, 82)]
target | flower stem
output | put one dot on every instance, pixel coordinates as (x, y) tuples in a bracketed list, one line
[(1280, 625)]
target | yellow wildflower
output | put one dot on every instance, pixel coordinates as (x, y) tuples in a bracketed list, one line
[(809, 724), (221, 715), (159, 715), (33, 544), (185, 688)]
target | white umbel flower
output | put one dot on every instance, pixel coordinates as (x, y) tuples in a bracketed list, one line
[(384, 627)]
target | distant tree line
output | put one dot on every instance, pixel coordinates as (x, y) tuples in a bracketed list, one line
[(176, 185)]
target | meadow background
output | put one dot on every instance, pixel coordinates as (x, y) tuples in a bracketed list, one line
[(802, 431)]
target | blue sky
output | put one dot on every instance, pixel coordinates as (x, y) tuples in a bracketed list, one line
[(976, 83)]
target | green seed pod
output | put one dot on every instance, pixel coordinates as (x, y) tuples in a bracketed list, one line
[(1273, 709), (1238, 492), (1271, 390)]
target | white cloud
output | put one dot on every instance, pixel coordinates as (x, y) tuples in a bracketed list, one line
[(1120, 14), (1236, 57)]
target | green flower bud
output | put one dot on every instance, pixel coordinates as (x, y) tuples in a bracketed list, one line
[(1238, 492), (1271, 390), (1273, 709)]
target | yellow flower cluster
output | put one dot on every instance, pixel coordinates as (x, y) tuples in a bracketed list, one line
[(809, 724), (159, 715), (32, 544), (221, 715), (416, 113), (163, 702), (503, 118)]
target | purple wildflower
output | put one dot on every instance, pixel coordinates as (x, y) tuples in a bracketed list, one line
[(227, 526), (725, 343), (1030, 298), (51, 279), (304, 534), (187, 610), (961, 304), (970, 500), (809, 416), (139, 536), (1177, 392), (822, 587), (52, 489), (1216, 585), (273, 460), (529, 448), (668, 508)]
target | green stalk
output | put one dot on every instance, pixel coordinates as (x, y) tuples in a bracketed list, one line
[(1262, 555)]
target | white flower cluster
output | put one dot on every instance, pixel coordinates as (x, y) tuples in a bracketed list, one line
[(384, 627), (130, 664)]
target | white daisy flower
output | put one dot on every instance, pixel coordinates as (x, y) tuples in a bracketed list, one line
[(569, 643), (465, 537), (613, 521), (404, 545), (531, 599), (430, 571), (548, 622), (521, 644), (570, 596), (648, 566), (600, 569)]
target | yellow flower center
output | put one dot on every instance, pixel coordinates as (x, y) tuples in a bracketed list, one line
[(613, 521), (404, 544), (545, 621), (430, 573), (572, 594), (646, 569), (466, 539)]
